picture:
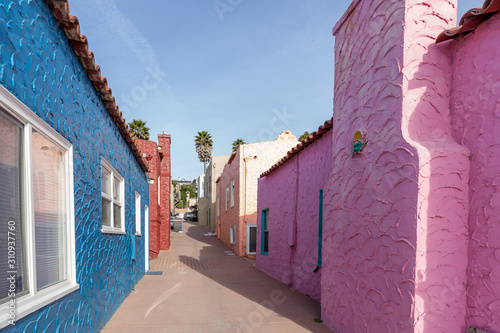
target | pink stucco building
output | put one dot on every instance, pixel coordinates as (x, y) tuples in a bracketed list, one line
[(236, 189), (411, 235), (410, 229), (290, 204)]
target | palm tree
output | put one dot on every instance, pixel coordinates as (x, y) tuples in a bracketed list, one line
[(203, 144), (237, 143), (304, 136), (138, 129)]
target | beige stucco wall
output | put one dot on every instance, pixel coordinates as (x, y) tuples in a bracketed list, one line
[(250, 162), (212, 172)]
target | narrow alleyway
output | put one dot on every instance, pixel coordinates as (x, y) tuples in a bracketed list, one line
[(203, 289)]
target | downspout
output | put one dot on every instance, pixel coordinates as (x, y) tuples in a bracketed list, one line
[(292, 240), (245, 171), (245, 198)]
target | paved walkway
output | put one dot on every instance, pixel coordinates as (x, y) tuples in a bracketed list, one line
[(203, 289)]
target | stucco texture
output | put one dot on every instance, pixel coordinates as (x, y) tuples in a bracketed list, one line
[(291, 193), (475, 109), (159, 194), (40, 68), (207, 209), (395, 232), (250, 161)]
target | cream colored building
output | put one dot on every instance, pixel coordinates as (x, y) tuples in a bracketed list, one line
[(207, 203), (236, 191)]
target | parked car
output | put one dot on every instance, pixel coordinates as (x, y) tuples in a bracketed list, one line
[(190, 216), (171, 221)]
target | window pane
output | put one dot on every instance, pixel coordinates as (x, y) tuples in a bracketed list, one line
[(232, 235), (117, 216), (105, 181), (106, 213), (253, 239), (50, 210), (266, 241), (117, 194), (10, 207)]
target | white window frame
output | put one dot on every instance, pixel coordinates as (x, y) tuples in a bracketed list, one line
[(35, 300), (227, 197), (232, 193), (251, 225), (114, 174), (232, 235), (137, 214)]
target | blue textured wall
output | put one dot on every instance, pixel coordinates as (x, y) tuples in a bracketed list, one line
[(39, 67)]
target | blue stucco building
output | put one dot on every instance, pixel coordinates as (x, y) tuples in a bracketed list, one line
[(74, 192)]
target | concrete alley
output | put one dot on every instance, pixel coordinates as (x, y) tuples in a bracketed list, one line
[(204, 288)]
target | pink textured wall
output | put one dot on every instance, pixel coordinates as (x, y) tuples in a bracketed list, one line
[(231, 217), (475, 109), (292, 195), (395, 232)]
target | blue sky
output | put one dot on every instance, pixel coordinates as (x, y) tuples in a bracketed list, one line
[(235, 68)]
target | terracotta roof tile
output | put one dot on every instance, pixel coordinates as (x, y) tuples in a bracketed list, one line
[(471, 20), (231, 158), (301, 146), (79, 43)]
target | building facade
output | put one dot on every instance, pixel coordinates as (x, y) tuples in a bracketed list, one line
[(236, 191), (207, 207), (160, 183), (74, 193), (408, 235), (289, 207)]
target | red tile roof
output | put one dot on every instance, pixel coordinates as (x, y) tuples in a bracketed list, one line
[(301, 146), (78, 42), (471, 20), (231, 158)]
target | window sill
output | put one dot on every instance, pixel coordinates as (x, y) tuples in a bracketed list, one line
[(264, 253), (30, 303), (232, 243), (138, 234), (113, 231)]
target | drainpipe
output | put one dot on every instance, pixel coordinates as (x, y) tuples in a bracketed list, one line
[(245, 171), (292, 237)]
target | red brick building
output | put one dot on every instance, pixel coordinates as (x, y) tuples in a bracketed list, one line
[(158, 157)]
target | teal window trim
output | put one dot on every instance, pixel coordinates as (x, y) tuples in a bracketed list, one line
[(264, 227), (320, 229)]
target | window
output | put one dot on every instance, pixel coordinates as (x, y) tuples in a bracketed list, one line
[(112, 193), (264, 240), (137, 213), (232, 193), (227, 197), (320, 228), (232, 235), (251, 238), (37, 256), (218, 203), (209, 217), (209, 184)]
